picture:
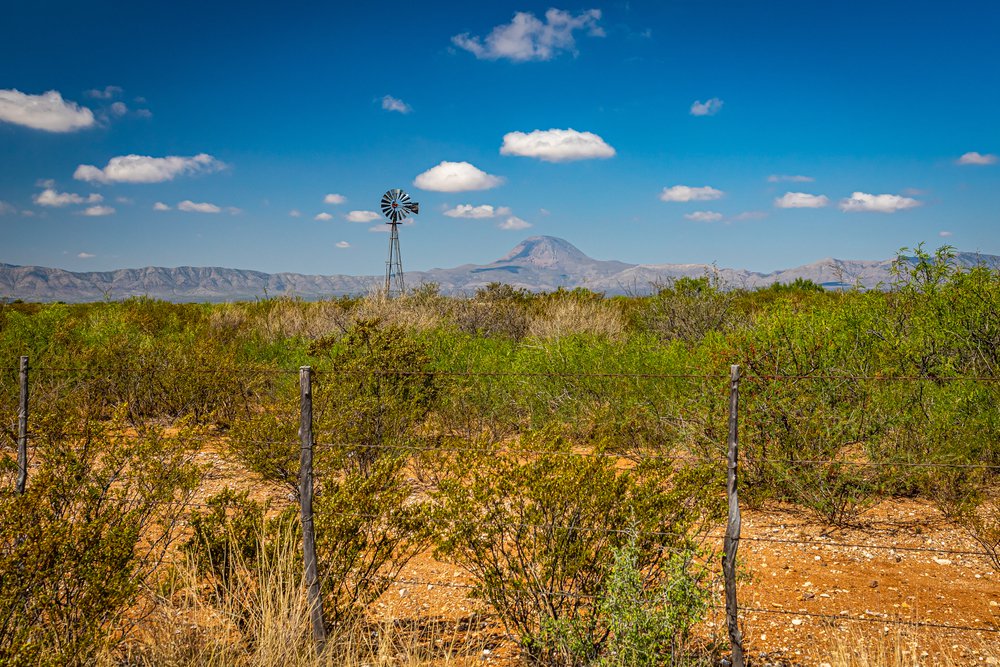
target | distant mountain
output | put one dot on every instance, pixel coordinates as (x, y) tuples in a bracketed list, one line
[(539, 263)]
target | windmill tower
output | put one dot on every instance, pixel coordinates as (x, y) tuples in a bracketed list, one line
[(396, 205)]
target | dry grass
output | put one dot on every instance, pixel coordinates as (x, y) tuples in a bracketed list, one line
[(262, 620), (566, 316), (903, 647)]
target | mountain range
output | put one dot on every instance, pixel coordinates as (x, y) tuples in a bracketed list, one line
[(539, 263)]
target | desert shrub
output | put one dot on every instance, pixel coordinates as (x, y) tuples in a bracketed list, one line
[(537, 530), (76, 550), (687, 309), (497, 310), (651, 621), (373, 390)]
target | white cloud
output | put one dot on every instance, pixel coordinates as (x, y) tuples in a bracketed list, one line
[(343, 244), (95, 211), (514, 223), (379, 229), (556, 145), (106, 94), (860, 202), (476, 212), (49, 197), (295, 213), (944, 233), (123, 200), (684, 193), (119, 109), (791, 178), (390, 103), (334, 199), (456, 177), (85, 255), (323, 217), (707, 108), (362, 216), (48, 111), (146, 169), (977, 158), (160, 206), (800, 200), (704, 216), (144, 113), (189, 206), (750, 215), (527, 38)]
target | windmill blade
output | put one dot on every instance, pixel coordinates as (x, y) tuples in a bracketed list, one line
[(412, 207)]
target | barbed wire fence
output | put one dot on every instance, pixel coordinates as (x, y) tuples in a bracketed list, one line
[(310, 442)]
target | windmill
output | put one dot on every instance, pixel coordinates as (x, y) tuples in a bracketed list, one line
[(396, 205)]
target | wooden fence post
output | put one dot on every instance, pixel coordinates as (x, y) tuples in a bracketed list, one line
[(732, 539), (305, 502), (22, 430)]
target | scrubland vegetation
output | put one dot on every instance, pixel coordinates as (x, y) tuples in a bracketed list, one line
[(565, 450)]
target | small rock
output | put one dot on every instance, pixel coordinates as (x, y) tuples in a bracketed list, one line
[(403, 592), (874, 584), (825, 664), (942, 561), (796, 621), (486, 651)]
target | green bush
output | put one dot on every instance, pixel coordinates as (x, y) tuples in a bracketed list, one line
[(537, 529)]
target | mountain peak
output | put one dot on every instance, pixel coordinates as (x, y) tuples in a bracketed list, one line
[(545, 251)]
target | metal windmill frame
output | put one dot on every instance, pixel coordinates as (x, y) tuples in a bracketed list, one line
[(396, 206)]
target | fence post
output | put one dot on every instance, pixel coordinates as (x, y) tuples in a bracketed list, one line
[(22, 430), (305, 502), (732, 539)]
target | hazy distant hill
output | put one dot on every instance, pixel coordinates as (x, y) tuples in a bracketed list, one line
[(539, 263)]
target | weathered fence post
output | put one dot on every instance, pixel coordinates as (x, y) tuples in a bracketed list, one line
[(22, 430), (305, 501), (732, 539)]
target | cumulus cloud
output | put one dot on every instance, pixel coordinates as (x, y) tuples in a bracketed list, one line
[(800, 200), (334, 199), (160, 206), (379, 229), (944, 233), (974, 157), (456, 177), (790, 178), (862, 202), (556, 145), (514, 223), (684, 193), (119, 109), (48, 111), (704, 216), (106, 94), (390, 103), (323, 217), (96, 211), (362, 216), (189, 206), (49, 197), (528, 38), (85, 255), (477, 212), (343, 244), (295, 213), (146, 169), (706, 108)]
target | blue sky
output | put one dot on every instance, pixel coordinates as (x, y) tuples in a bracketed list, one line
[(752, 134)]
